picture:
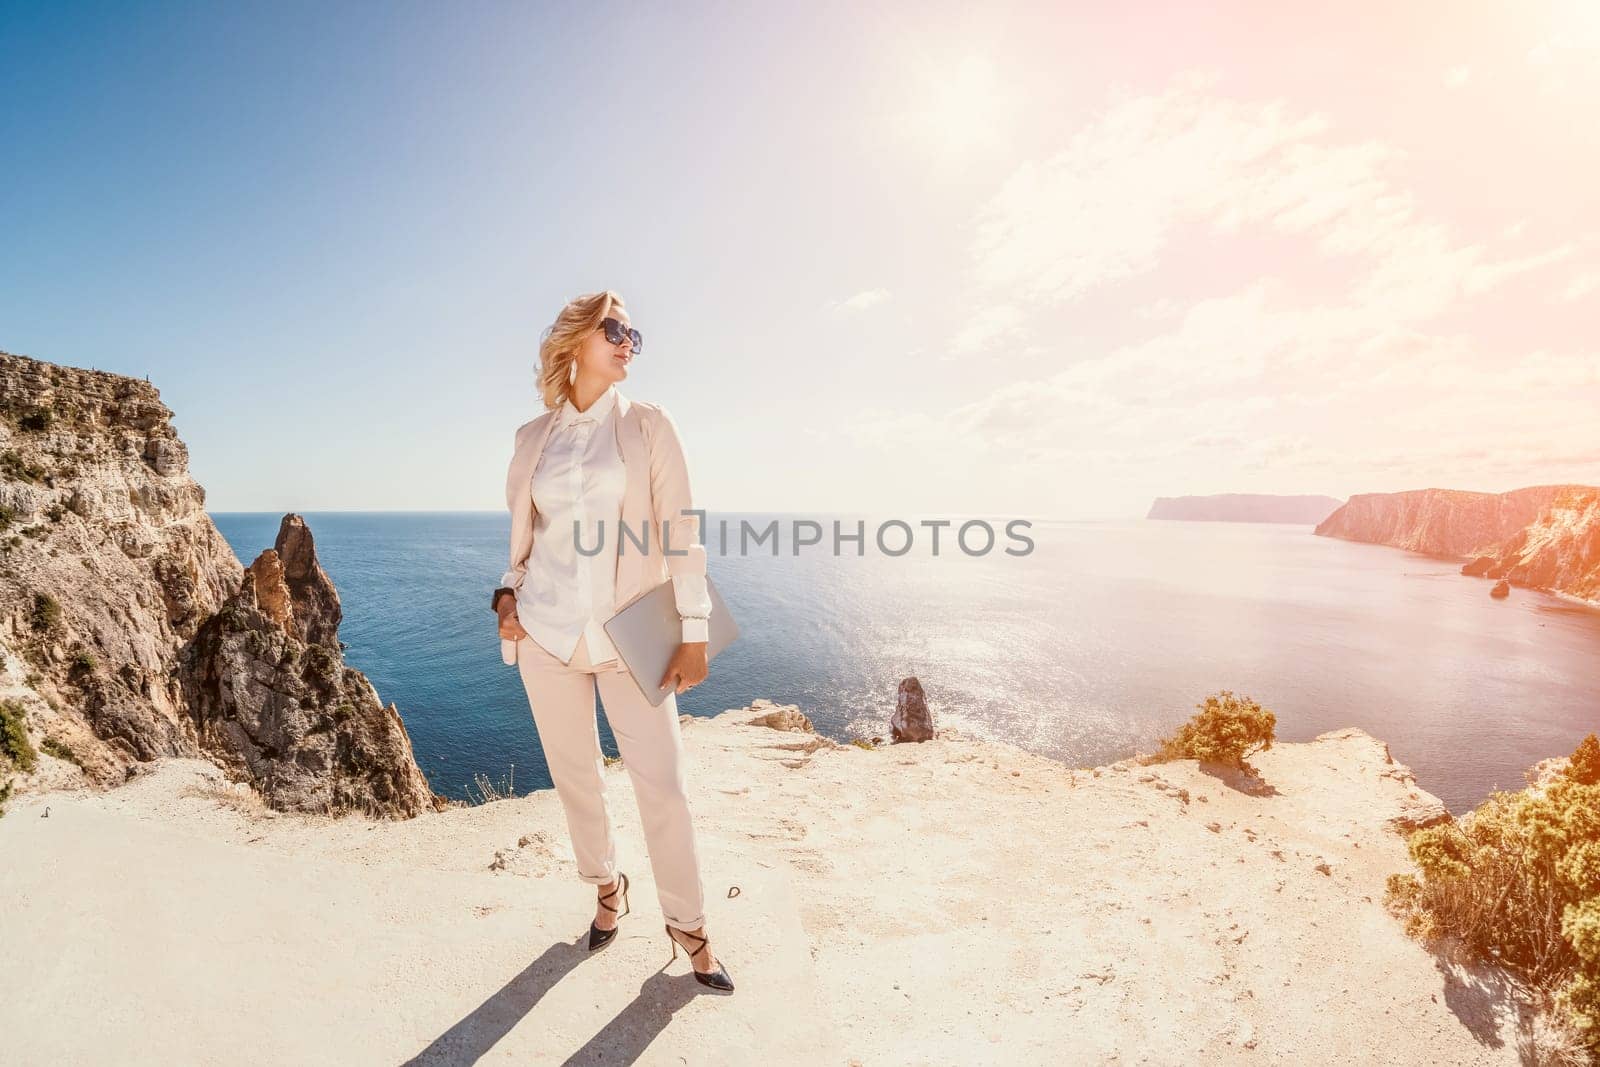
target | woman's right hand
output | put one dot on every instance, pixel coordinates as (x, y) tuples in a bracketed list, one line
[(510, 626)]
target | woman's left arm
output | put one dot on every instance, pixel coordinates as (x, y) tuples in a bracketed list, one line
[(679, 527)]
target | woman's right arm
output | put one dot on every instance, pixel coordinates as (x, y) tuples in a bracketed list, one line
[(504, 600)]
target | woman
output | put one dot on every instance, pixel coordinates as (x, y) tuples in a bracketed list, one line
[(592, 464)]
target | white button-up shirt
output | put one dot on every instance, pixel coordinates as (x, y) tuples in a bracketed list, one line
[(577, 491)]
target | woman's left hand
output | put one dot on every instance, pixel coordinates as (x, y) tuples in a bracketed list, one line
[(689, 666)]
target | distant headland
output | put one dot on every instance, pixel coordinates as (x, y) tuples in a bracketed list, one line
[(1245, 507)]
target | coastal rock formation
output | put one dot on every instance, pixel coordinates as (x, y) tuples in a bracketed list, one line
[(285, 713), (1544, 537), (110, 573), (1414, 807), (911, 721), (272, 592), (316, 602), (787, 717), (1451, 523), (1245, 507), (1558, 551)]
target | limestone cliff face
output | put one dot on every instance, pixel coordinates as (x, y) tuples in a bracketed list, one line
[(112, 577), (108, 561), (1559, 551), (1452, 523)]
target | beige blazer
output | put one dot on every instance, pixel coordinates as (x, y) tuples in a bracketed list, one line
[(657, 508)]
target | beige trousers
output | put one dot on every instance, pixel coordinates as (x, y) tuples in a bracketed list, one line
[(561, 696)]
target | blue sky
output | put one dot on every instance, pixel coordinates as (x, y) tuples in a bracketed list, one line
[(882, 256)]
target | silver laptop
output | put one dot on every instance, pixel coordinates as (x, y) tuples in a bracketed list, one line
[(648, 631)]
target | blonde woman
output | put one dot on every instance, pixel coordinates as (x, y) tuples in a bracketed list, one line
[(593, 463)]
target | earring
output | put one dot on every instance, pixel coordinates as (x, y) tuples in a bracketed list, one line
[(572, 373)]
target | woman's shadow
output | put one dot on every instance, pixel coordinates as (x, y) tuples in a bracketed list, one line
[(621, 1040)]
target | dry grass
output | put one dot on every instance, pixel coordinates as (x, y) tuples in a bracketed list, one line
[(1551, 1040), (489, 791), (231, 795)]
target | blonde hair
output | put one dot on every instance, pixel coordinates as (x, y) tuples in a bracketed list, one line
[(558, 346)]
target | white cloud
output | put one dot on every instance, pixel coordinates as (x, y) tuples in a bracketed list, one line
[(1486, 276), (1110, 205), (1546, 370), (992, 324), (1565, 59), (861, 301), (1581, 286), (1320, 341)]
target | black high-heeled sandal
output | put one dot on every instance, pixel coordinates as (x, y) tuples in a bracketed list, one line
[(717, 979), (599, 938)]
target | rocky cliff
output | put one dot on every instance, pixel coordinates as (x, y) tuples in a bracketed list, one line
[(130, 631), (1559, 551), (1451, 523), (1244, 507)]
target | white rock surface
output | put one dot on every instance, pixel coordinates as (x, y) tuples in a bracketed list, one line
[(949, 901)]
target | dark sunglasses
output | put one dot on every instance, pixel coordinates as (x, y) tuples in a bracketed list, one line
[(616, 333)]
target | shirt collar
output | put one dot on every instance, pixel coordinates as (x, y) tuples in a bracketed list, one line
[(597, 411)]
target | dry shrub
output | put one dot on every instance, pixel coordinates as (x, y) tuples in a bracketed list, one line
[(1226, 729), (1551, 1040), (1517, 883)]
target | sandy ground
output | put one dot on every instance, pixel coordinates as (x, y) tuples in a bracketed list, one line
[(956, 901)]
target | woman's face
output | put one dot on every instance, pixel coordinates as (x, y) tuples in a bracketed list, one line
[(601, 360)]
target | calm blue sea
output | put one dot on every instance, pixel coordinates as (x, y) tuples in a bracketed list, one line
[(1094, 644)]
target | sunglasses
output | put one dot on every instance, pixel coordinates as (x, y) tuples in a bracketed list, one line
[(616, 333)]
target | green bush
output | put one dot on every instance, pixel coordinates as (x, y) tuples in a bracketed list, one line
[(14, 466), (46, 612), (1585, 764), (37, 421), (233, 617), (14, 743), (1517, 882), (5, 795), (60, 750), (319, 663), (1226, 729)]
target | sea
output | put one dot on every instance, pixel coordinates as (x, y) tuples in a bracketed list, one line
[(1086, 643)]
